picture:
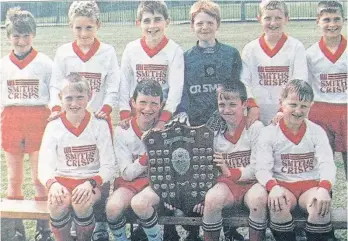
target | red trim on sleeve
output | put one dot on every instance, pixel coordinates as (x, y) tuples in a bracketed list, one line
[(165, 116), (125, 114), (50, 182), (236, 173), (98, 179), (270, 184), (144, 159), (56, 108), (107, 109), (325, 184), (251, 103)]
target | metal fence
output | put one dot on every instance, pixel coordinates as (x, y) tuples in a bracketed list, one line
[(124, 12)]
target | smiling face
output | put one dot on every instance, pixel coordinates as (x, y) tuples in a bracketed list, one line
[(74, 101), (21, 42), (85, 30), (147, 109), (294, 110), (330, 24), (273, 22), (231, 107), (205, 27), (153, 27)]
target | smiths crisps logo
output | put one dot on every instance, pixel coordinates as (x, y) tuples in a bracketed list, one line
[(94, 80), (273, 75), (23, 89), (79, 156), (297, 163), (333, 83), (237, 159), (155, 72)]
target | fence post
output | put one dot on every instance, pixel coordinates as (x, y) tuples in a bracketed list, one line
[(58, 14), (242, 11)]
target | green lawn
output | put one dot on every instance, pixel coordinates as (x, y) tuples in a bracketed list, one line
[(236, 34)]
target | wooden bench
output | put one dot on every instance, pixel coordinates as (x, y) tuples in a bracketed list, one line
[(30, 209)]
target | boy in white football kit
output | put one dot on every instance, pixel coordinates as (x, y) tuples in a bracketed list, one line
[(25, 79), (294, 162), (154, 57), (270, 61), (327, 67), (97, 62), (234, 148), (76, 158), (92, 59), (132, 160)]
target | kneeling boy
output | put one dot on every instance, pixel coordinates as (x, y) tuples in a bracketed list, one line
[(76, 157), (233, 150), (132, 160), (294, 162)]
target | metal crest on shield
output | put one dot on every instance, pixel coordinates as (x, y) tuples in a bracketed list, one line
[(181, 160)]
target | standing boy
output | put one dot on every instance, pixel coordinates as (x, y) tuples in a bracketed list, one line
[(294, 162), (207, 64), (76, 158), (131, 156), (270, 61), (25, 79), (154, 57), (327, 67)]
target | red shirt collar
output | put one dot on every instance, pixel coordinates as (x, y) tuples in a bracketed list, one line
[(295, 138), (271, 52), (235, 138), (76, 130), (152, 52), (24, 62), (85, 57), (333, 57)]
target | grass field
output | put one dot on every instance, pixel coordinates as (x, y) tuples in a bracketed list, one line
[(236, 34)]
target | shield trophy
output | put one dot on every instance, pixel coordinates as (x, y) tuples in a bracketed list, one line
[(181, 167)]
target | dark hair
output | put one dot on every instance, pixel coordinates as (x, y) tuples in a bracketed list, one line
[(301, 88), (329, 7), (227, 87), (152, 7), (20, 21), (148, 87)]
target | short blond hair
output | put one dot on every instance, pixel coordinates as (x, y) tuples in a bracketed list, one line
[(208, 7), (76, 82), (299, 87), (20, 21), (152, 7), (88, 9), (273, 5)]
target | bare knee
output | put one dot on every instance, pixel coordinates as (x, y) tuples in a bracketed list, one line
[(115, 207), (59, 209), (141, 203), (214, 200), (257, 202)]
